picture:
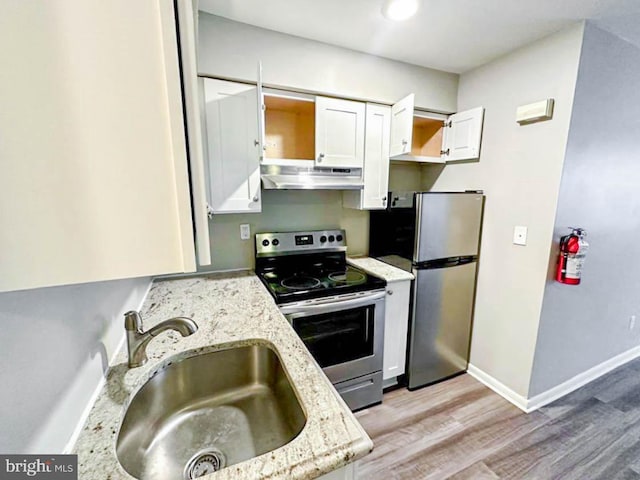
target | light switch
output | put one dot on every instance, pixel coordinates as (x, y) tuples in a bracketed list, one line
[(245, 231), (519, 235)]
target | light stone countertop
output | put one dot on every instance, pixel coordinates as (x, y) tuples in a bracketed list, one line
[(230, 309), (380, 269)]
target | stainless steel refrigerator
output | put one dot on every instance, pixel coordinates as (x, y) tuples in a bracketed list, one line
[(437, 237)]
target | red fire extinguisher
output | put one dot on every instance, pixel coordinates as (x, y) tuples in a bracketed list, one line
[(573, 250)]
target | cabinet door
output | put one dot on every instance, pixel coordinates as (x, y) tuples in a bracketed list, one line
[(339, 133), (376, 157), (402, 126), (463, 136), (187, 19), (233, 146), (395, 329), (376, 162), (261, 115), (93, 172)]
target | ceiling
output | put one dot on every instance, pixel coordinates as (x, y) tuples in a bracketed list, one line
[(450, 35)]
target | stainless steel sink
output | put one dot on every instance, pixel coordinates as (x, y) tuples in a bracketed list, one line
[(209, 411)]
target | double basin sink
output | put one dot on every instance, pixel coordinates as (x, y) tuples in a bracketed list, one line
[(203, 413)]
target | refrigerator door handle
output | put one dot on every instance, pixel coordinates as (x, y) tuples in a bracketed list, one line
[(465, 260), (447, 262)]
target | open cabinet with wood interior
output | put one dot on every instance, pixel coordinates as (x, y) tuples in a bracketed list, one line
[(434, 138), (426, 138), (320, 131), (289, 124)]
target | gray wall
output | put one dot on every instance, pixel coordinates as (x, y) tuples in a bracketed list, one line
[(583, 326), (54, 347), (232, 50)]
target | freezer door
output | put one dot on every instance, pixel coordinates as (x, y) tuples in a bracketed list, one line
[(440, 330), (447, 225)]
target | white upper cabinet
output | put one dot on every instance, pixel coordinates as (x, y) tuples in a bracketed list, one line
[(94, 180), (463, 135), (233, 145), (376, 161), (402, 126), (339, 133), (434, 138)]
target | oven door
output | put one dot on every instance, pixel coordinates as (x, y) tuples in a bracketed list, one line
[(344, 333)]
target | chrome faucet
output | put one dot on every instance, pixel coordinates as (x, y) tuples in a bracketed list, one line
[(137, 339)]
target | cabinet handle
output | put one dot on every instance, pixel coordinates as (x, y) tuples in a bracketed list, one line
[(256, 143), (384, 199), (320, 157), (404, 142), (390, 292), (256, 198)]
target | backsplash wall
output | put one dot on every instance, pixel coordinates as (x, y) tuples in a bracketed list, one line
[(282, 211), (292, 210)]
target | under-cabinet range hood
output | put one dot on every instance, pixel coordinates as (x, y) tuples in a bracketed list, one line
[(278, 177)]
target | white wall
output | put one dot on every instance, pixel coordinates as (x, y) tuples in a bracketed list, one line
[(586, 325), (55, 345), (519, 171), (232, 50)]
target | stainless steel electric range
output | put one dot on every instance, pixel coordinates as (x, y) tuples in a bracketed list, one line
[(335, 308)]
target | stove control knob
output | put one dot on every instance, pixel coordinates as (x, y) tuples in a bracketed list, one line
[(339, 238), (265, 243), (331, 238), (323, 239), (275, 242)]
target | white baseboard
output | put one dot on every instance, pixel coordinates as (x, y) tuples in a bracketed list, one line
[(581, 379), (68, 448), (101, 383), (498, 387), (528, 405)]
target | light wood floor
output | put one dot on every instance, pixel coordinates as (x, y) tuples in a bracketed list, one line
[(460, 429)]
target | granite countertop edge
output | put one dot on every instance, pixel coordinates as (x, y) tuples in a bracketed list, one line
[(231, 309), (380, 269)]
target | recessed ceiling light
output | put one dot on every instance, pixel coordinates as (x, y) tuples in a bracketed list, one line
[(399, 10)]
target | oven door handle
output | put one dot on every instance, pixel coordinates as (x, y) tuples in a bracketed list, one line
[(299, 311)]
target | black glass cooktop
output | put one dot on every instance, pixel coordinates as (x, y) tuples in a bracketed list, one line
[(303, 277)]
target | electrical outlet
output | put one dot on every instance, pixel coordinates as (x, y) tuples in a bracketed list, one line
[(245, 231), (632, 322)]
